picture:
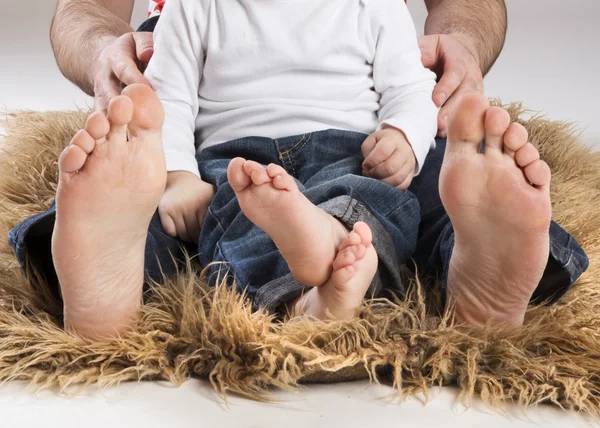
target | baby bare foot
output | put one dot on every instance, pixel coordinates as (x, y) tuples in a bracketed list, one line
[(499, 204), (112, 176), (342, 295), (307, 237)]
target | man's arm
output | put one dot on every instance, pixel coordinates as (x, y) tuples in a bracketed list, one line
[(480, 26), (96, 48), (462, 40), (81, 29)]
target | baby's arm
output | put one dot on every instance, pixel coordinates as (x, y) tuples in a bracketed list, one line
[(175, 72), (407, 114)]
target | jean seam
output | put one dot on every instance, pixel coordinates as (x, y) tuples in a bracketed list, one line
[(224, 262), (569, 255), (288, 165), (211, 212), (298, 149), (294, 151), (570, 259), (356, 208), (285, 152), (291, 162)]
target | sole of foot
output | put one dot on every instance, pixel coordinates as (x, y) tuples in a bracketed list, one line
[(499, 205), (112, 176), (342, 295), (307, 237)]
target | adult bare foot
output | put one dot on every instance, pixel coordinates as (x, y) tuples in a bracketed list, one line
[(307, 237), (342, 295), (112, 176), (499, 205)]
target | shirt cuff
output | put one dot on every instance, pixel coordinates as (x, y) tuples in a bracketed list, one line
[(180, 162)]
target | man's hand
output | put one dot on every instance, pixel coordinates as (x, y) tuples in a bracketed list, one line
[(457, 70), (389, 158), (120, 64), (184, 204)]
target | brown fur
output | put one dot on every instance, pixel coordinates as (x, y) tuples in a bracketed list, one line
[(188, 329)]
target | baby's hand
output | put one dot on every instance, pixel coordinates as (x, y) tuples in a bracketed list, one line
[(184, 204), (389, 158)]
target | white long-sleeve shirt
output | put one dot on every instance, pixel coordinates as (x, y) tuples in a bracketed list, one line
[(228, 69)]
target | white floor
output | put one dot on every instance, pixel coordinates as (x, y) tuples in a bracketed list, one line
[(355, 404), (551, 61)]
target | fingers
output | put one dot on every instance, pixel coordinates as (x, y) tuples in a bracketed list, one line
[(144, 46), (452, 77), (124, 64), (402, 178), (389, 158), (446, 94), (389, 166), (117, 67), (176, 221), (106, 88), (201, 213), (397, 170), (369, 144), (167, 224), (460, 73), (183, 224), (428, 46), (468, 86), (383, 149), (182, 232), (126, 70), (406, 183), (192, 226)]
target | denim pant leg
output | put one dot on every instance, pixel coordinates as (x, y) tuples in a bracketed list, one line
[(231, 246), (31, 243), (566, 261), (328, 164)]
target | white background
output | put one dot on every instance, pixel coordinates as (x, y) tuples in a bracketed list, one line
[(550, 61)]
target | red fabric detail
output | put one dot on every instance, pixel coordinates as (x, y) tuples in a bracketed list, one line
[(159, 6)]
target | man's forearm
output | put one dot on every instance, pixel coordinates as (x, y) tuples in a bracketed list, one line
[(80, 30), (479, 25)]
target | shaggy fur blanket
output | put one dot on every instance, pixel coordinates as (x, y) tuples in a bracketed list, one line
[(187, 329)]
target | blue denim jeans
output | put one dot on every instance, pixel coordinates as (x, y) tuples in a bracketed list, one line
[(327, 169)]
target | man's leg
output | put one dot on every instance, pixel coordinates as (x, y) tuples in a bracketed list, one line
[(564, 262), (112, 176)]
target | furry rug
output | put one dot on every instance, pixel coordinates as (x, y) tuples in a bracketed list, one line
[(189, 330)]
